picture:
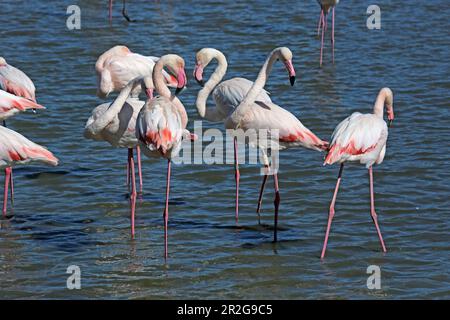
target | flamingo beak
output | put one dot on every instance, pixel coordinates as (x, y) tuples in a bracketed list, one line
[(182, 81), (198, 74), (291, 71), (390, 123), (390, 116)]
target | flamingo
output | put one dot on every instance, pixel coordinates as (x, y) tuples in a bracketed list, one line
[(115, 69), (15, 81), (161, 124), (361, 137), (15, 149), (227, 96), (115, 123), (124, 11), (325, 6), (9, 106), (257, 115)]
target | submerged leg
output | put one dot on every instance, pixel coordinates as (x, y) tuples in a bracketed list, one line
[(276, 203), (372, 209), (331, 212), (166, 212), (237, 178), (133, 190), (5, 193)]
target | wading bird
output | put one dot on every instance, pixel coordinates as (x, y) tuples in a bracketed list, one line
[(325, 6), (15, 149), (257, 115), (361, 137), (116, 67), (161, 124), (227, 95)]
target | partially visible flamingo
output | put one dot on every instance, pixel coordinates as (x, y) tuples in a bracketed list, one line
[(124, 11), (361, 137), (227, 95), (325, 6), (256, 115), (161, 124), (9, 106), (15, 149), (116, 123), (115, 69)]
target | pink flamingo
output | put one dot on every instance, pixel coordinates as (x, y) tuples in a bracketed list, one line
[(256, 115), (116, 123), (124, 11), (325, 6), (227, 96), (115, 69), (161, 124), (9, 106), (361, 137), (15, 149)]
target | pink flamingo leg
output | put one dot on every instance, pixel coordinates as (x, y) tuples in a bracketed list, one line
[(261, 192), (323, 31), (5, 194), (138, 154), (320, 22), (166, 212), (277, 205), (133, 190), (11, 182), (332, 33), (128, 171), (237, 178), (331, 212), (372, 209)]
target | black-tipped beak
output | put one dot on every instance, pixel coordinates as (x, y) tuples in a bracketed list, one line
[(179, 90), (201, 82), (390, 123), (292, 80)]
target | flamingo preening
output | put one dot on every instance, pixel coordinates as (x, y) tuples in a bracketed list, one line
[(115, 69), (361, 137), (255, 115), (161, 124), (15, 149), (227, 95), (325, 6)]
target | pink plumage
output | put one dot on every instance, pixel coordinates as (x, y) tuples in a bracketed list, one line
[(16, 82)]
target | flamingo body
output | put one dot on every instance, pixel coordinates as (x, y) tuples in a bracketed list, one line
[(15, 81), (11, 104)]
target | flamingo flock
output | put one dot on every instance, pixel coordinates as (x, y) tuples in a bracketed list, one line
[(156, 124)]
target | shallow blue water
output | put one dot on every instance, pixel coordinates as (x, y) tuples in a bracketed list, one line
[(77, 214)]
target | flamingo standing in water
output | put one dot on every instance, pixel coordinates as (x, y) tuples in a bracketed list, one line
[(227, 96), (116, 123), (161, 124), (257, 115), (115, 69), (15, 149), (16, 82), (325, 6), (361, 137)]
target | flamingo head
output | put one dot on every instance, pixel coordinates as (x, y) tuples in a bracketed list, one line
[(389, 104), (175, 66), (202, 59), (2, 62), (285, 55)]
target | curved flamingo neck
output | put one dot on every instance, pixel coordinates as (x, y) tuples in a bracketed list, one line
[(217, 76), (256, 88), (164, 91), (385, 97)]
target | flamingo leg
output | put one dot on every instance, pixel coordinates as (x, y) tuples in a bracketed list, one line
[(166, 211), (237, 178), (110, 11), (5, 193), (331, 212), (138, 155), (11, 183), (133, 190), (128, 171), (320, 22), (261, 191), (323, 31), (372, 210), (332, 33), (277, 205), (125, 12)]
